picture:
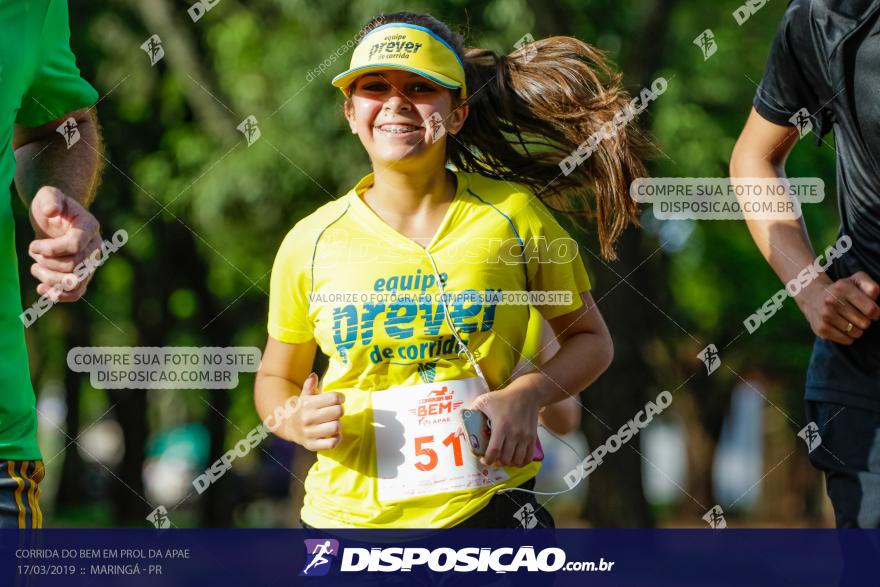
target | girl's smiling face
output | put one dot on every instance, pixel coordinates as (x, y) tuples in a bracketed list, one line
[(396, 114)]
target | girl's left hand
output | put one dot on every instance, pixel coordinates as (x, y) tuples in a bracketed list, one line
[(514, 416)]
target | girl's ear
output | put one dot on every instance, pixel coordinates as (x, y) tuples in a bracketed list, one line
[(456, 118), (348, 109)]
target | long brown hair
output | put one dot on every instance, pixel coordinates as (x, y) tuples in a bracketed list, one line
[(534, 107)]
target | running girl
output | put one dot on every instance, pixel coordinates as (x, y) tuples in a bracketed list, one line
[(399, 280)]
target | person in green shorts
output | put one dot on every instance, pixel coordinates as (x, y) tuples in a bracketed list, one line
[(53, 153)]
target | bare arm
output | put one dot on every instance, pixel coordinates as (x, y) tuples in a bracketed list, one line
[(285, 372), (761, 151), (57, 184), (585, 352), (563, 416), (829, 306), (43, 159), (560, 417)]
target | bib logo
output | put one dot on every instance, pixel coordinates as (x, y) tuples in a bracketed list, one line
[(319, 554), (436, 403)]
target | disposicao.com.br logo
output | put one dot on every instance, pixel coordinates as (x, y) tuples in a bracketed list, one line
[(321, 552)]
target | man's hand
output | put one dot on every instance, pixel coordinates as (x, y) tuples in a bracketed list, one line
[(66, 234), (831, 307)]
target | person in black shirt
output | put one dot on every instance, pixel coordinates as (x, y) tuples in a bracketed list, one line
[(824, 67)]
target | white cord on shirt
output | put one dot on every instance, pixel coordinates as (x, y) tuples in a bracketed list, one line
[(463, 349)]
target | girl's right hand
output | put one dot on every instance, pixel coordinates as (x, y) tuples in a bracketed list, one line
[(316, 421)]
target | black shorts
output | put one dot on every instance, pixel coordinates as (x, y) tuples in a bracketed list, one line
[(848, 455), (20, 494), (511, 509)]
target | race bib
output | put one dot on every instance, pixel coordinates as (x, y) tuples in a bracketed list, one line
[(419, 448)]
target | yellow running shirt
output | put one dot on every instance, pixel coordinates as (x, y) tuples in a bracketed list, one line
[(333, 280)]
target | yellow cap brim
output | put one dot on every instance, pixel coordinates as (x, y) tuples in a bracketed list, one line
[(345, 79)]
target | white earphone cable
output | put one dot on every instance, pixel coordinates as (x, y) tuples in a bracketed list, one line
[(463, 349)]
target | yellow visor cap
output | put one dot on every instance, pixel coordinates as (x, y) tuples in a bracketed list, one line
[(407, 47)]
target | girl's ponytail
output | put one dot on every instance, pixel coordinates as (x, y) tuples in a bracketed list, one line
[(530, 111)]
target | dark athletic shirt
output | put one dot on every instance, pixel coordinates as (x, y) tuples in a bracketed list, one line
[(867, 106), (826, 58)]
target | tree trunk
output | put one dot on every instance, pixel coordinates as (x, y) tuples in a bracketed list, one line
[(615, 497), (71, 492)]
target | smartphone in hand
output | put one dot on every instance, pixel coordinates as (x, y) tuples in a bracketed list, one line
[(477, 429)]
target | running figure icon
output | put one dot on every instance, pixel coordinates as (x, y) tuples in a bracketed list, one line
[(318, 552)]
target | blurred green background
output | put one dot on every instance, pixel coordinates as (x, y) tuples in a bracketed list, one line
[(206, 213)]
